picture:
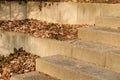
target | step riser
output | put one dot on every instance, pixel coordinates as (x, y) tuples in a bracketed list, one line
[(102, 59), (99, 37), (89, 56), (107, 22), (113, 62), (60, 72)]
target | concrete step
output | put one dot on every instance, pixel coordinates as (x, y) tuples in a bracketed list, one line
[(66, 68), (107, 22), (97, 54), (108, 37), (32, 76)]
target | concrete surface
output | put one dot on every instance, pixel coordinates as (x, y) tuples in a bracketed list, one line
[(106, 37), (41, 47), (5, 11), (68, 12), (32, 76), (18, 11), (108, 22), (86, 13), (110, 10), (65, 13), (96, 54), (112, 62), (68, 69)]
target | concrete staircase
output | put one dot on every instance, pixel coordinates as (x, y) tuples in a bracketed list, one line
[(95, 55)]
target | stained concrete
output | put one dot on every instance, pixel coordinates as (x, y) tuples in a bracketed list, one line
[(68, 69), (32, 76), (65, 13), (5, 11), (106, 22)]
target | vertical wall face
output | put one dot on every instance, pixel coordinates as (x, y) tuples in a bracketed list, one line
[(87, 13), (5, 11), (62, 12), (51, 12), (33, 11), (18, 11), (68, 12), (110, 10)]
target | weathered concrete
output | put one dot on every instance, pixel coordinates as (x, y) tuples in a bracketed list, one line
[(112, 61), (68, 13), (110, 9), (90, 53), (68, 69), (87, 13), (5, 11), (95, 54), (47, 47), (32, 76), (107, 37), (12, 40), (34, 12), (18, 11), (65, 13), (41, 47), (52, 13), (107, 22)]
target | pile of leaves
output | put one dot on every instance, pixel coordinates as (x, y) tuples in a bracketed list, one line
[(41, 29), (18, 62)]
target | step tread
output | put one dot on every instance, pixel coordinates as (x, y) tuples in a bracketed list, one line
[(94, 46), (103, 30), (32, 76), (103, 36), (81, 67)]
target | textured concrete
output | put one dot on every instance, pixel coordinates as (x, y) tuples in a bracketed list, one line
[(107, 37), (32, 76), (86, 13), (47, 47), (68, 12), (65, 13), (51, 13), (110, 9), (18, 11), (4, 11), (97, 54), (108, 22), (112, 61), (68, 69), (12, 40), (41, 47), (34, 12)]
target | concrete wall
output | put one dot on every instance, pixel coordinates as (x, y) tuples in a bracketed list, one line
[(65, 13), (38, 46), (5, 11)]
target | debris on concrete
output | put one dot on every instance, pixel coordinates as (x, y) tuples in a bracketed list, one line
[(41, 29)]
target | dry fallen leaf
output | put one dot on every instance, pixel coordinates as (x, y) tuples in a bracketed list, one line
[(21, 62), (41, 29)]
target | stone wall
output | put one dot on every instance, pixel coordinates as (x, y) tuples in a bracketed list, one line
[(63, 12)]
